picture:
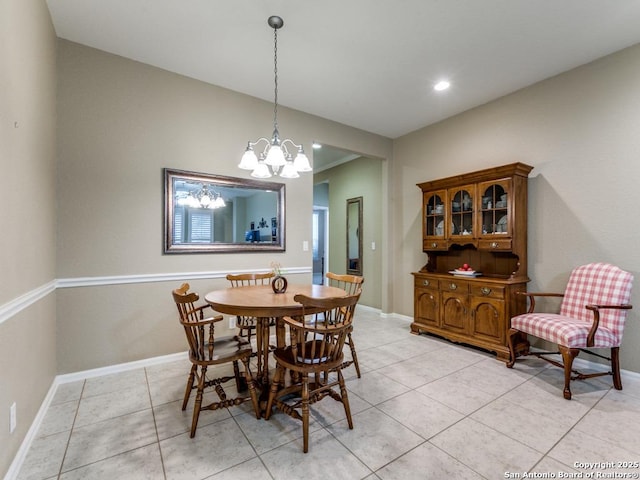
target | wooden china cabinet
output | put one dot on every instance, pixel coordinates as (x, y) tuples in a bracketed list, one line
[(478, 219)]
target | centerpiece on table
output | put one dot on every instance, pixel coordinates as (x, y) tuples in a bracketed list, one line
[(279, 282)]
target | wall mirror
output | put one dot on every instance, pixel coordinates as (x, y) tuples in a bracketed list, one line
[(354, 236), (211, 213)]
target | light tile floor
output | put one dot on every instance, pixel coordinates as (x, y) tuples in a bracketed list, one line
[(424, 408)]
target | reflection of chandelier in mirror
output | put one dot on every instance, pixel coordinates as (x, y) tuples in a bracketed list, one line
[(275, 153), (203, 198)]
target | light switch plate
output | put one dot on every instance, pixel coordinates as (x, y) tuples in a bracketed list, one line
[(12, 417)]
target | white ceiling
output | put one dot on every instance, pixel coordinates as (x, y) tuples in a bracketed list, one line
[(369, 64)]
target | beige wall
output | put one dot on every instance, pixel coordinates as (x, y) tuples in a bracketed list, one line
[(27, 243), (358, 178), (579, 131), (119, 123)]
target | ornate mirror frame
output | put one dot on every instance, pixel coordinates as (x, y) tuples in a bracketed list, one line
[(252, 220), (354, 236)]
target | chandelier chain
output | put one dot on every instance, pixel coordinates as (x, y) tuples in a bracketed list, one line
[(275, 76)]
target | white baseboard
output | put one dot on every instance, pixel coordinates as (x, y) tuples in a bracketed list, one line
[(406, 318), (18, 460), (121, 367), (367, 308)]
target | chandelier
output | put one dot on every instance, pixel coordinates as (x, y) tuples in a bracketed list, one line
[(275, 159), (203, 198)]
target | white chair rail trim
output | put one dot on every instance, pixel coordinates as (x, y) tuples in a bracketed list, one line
[(15, 306), (163, 277)]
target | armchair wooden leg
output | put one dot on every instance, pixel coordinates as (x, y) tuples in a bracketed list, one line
[(241, 382), (252, 387), (568, 354), (273, 391), (259, 338), (305, 412), (615, 368), (345, 399), (353, 354), (198, 403), (190, 380), (512, 351)]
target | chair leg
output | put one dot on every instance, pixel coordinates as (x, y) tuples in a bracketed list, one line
[(512, 351), (187, 392), (252, 387), (241, 383), (259, 339), (353, 354), (305, 412), (568, 354), (345, 399), (198, 404), (615, 368), (273, 391)]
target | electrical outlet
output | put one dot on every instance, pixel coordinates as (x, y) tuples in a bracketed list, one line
[(232, 322), (12, 417)]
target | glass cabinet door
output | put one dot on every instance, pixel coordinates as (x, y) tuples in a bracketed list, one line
[(434, 214), (494, 208), (461, 210)]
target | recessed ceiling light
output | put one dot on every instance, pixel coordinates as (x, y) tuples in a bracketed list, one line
[(316, 145), (442, 85)]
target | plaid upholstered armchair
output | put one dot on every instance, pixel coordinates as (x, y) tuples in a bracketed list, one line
[(592, 315)]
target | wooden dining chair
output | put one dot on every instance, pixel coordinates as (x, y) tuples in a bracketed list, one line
[(247, 325), (207, 351), (315, 348), (592, 315), (351, 284)]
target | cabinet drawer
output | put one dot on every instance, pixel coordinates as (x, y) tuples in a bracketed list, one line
[(454, 285), (489, 291), (430, 283), (497, 244), (434, 244)]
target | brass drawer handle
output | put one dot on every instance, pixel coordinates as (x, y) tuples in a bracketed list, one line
[(434, 245), (485, 290), (452, 286), (495, 244), (426, 283)]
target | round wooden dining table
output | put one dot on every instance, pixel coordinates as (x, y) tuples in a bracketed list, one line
[(261, 302)]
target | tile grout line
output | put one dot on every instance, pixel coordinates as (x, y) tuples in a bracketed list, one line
[(571, 429), (258, 456), (465, 415), (73, 424), (155, 423)]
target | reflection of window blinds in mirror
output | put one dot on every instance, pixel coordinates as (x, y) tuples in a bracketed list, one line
[(201, 227), (177, 225)]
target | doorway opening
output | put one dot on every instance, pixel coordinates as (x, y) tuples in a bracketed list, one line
[(320, 243)]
